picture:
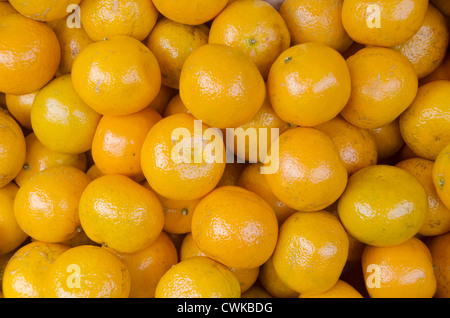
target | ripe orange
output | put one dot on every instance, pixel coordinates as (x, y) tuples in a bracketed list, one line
[(178, 163), (311, 174), (87, 271), (12, 148), (118, 76), (441, 175), (25, 273), (147, 266), (388, 138), (11, 234), (341, 289), (311, 252), (104, 19), (384, 84), (425, 125), (172, 43), (312, 21), (383, 205), (383, 22), (117, 142), (165, 94), (255, 28), (23, 73), (39, 157), (46, 205), (437, 219), (61, 120), (198, 277), (6, 8), (19, 106), (192, 12), (439, 247), (272, 283), (427, 48), (221, 86), (404, 270), (119, 213), (175, 106), (235, 227), (308, 84)]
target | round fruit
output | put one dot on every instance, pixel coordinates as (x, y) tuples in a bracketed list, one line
[(43, 10), (118, 76), (87, 271), (439, 247), (441, 175), (383, 22), (179, 161), (425, 125), (341, 289), (46, 206), (311, 252), (308, 84), (255, 28), (19, 106), (12, 148), (198, 277), (384, 83), (401, 271), (221, 86), (383, 205), (388, 138), (235, 227), (119, 213), (311, 174)]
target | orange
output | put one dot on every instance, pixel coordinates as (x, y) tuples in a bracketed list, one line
[(425, 124), (22, 73), (221, 86), (172, 43), (256, 291), (384, 84), (440, 73), (163, 97), (118, 76), (19, 106), (117, 142), (439, 248), (119, 213), (25, 273), (246, 277), (12, 148), (341, 289), (255, 28), (272, 283), (308, 84), (253, 180), (147, 266), (311, 252), (258, 134), (87, 271), (311, 174), (193, 12), (178, 214), (179, 160), (6, 8), (235, 227), (357, 148), (39, 157), (46, 206), (427, 48), (388, 138), (312, 21), (61, 120), (383, 205), (441, 175), (198, 277), (437, 220), (11, 233), (43, 10), (400, 271), (94, 172), (383, 22), (71, 41), (104, 19), (175, 106)]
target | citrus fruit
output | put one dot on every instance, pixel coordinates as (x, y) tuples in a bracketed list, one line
[(441, 175), (43, 10), (439, 249)]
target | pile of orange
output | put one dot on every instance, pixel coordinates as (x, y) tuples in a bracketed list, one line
[(115, 171)]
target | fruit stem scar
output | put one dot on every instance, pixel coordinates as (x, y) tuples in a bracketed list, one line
[(441, 181), (184, 211), (252, 41), (288, 59)]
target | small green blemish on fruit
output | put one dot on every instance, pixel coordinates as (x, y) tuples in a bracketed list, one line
[(252, 41), (288, 59), (184, 211), (441, 181), (26, 167)]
